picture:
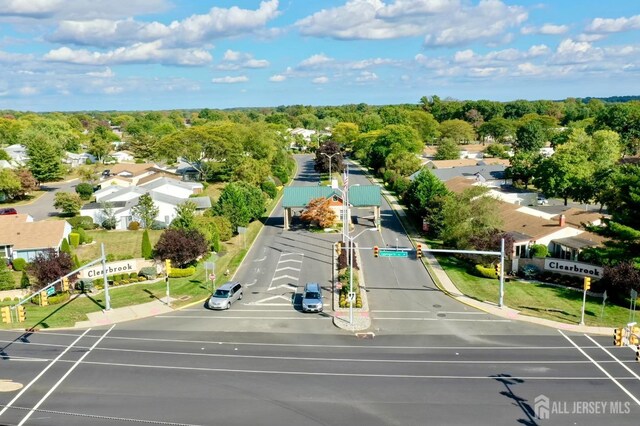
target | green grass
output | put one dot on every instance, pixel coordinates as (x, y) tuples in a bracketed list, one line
[(535, 299), (118, 243), (33, 195)]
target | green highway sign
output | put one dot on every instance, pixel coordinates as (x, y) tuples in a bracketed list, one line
[(51, 291), (393, 253)]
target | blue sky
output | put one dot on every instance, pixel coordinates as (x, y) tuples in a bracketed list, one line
[(61, 55)]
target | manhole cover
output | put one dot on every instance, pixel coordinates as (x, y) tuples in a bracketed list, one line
[(437, 306), (442, 315), (183, 298)]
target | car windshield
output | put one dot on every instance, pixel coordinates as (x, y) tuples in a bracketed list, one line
[(221, 293), (312, 295)]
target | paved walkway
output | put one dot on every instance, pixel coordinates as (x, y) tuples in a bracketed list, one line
[(128, 313)]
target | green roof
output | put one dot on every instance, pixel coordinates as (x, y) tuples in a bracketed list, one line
[(359, 195)]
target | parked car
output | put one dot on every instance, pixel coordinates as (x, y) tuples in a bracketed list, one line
[(225, 295), (312, 298), (9, 210)]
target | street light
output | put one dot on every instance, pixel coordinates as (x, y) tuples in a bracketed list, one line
[(351, 241), (330, 161)]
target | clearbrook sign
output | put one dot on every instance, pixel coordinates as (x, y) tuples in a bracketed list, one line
[(123, 266), (568, 267)]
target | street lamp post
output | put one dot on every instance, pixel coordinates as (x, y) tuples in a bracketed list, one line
[(351, 242), (330, 161)]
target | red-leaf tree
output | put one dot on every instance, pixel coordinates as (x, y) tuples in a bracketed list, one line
[(319, 211), (50, 266), (182, 246)]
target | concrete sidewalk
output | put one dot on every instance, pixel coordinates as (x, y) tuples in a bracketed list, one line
[(445, 284), (127, 313)]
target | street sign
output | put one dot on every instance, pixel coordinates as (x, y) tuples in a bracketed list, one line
[(242, 230), (212, 277), (351, 297), (393, 253), (51, 291)]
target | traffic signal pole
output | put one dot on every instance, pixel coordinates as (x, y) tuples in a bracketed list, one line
[(501, 299)]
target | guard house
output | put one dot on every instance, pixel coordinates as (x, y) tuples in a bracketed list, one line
[(360, 196)]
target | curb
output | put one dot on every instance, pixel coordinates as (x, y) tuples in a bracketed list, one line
[(363, 314)]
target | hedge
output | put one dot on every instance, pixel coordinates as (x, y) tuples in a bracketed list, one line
[(74, 239), (181, 273), (19, 264), (539, 250), (85, 222), (487, 272)]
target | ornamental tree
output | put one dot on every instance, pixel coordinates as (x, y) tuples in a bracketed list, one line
[(182, 247), (49, 266)]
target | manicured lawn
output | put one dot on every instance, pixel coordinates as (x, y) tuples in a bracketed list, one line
[(117, 243), (28, 199), (536, 299)]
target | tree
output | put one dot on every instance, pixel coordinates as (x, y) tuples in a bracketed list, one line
[(100, 142), (64, 247), (499, 129), (523, 166), (84, 190), (322, 160), (566, 174), (9, 184), (68, 202), (88, 174), (424, 198), (107, 216), (28, 183), (182, 247), (44, 161), (393, 138), (251, 171), (345, 134), (620, 279), (319, 211), (403, 163), (207, 227), (49, 266), (496, 150), (240, 203), (447, 150), (145, 211), (6, 277), (146, 249), (531, 136), (185, 216), (458, 130), (425, 125), (467, 217)]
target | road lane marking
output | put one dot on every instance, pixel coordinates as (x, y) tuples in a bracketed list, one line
[(613, 356), (73, 367), (267, 299), (42, 373), (279, 277), (437, 319), (288, 267), (601, 369), (301, 317)]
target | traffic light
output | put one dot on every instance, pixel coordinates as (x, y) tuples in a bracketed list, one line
[(634, 337), (617, 337), (22, 314), (65, 283), (339, 248), (6, 314), (418, 251), (498, 269), (587, 283), (44, 299), (376, 251), (638, 355)]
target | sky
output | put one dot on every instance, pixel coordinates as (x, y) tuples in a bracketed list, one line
[(75, 55)]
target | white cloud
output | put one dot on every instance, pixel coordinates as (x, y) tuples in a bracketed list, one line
[(278, 78), (366, 76), (320, 80), (575, 52), (441, 22), (113, 90), (138, 53), (538, 50), (528, 68), (315, 61), (195, 30), (233, 60), (107, 73), (230, 80), (546, 29), (28, 91), (607, 25), (368, 63)]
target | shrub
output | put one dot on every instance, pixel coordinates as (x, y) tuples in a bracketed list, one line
[(64, 247), (74, 239), (282, 174), (140, 279), (269, 188), (83, 235), (133, 226), (149, 272), (157, 225), (224, 227), (133, 275), (539, 250), (487, 272), (147, 249), (530, 271), (109, 224), (19, 264), (85, 190), (84, 222), (24, 280), (181, 273)]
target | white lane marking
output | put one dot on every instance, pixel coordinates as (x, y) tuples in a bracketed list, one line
[(267, 299), (42, 373), (426, 312), (261, 260), (438, 319), (288, 267), (301, 317), (329, 373), (613, 356), (292, 254), (26, 359), (251, 283), (73, 367), (288, 286), (290, 260), (601, 369), (284, 276)]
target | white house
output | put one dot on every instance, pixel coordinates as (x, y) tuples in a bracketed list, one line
[(173, 187), (75, 160), (122, 156), (18, 154)]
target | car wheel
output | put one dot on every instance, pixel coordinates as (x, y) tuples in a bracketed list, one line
[(228, 305), (240, 298)]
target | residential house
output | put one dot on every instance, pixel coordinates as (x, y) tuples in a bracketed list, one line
[(18, 154), (75, 160), (123, 156), (129, 174), (21, 237)]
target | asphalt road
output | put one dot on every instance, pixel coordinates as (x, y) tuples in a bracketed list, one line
[(42, 208), (432, 361)]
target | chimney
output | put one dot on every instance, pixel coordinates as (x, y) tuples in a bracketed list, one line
[(562, 220)]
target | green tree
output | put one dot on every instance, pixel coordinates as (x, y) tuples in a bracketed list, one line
[(64, 247), (9, 184), (424, 199), (145, 211), (146, 249), (207, 227), (44, 160), (393, 138), (531, 136), (185, 216), (240, 203), (468, 216), (448, 149), (566, 174), (425, 125), (345, 134), (69, 203), (403, 163), (251, 171), (458, 130), (107, 216), (6, 277), (499, 129), (523, 166), (24, 280), (100, 142)]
